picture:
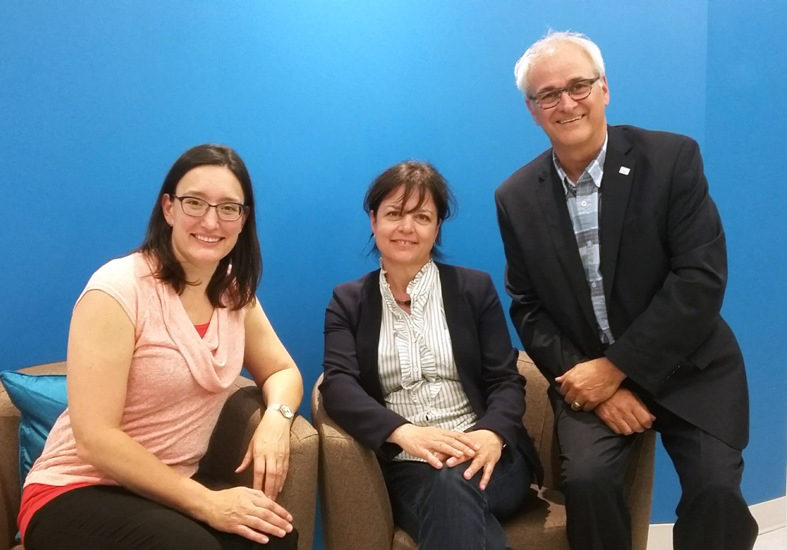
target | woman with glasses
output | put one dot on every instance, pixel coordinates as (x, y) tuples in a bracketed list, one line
[(156, 340), (419, 367)]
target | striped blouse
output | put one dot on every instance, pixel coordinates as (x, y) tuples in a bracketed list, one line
[(419, 378)]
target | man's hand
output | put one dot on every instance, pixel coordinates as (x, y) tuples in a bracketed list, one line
[(590, 383), (625, 413)]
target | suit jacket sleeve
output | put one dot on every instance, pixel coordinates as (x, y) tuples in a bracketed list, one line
[(346, 400), (503, 386), (551, 350), (686, 308)]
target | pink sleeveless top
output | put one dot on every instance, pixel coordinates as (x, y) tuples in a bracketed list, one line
[(177, 383)]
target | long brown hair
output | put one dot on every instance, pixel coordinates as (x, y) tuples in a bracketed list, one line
[(235, 281)]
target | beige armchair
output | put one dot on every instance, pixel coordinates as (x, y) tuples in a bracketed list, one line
[(356, 512), (233, 431)]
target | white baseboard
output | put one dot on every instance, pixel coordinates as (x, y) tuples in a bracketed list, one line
[(770, 515), (660, 536)]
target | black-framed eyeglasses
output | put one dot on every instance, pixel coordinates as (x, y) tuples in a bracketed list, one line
[(197, 207), (578, 91)]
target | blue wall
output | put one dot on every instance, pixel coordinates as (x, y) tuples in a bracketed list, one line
[(97, 99), (745, 143)]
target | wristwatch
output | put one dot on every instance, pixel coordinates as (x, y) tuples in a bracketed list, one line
[(283, 409)]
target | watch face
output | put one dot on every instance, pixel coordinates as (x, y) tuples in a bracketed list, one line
[(285, 411), (282, 409)]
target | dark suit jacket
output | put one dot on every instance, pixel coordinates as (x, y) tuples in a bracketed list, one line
[(482, 351), (664, 263)]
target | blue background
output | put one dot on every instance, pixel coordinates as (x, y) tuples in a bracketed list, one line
[(97, 99)]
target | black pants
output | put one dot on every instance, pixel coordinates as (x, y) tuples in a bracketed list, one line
[(711, 512), (113, 518)]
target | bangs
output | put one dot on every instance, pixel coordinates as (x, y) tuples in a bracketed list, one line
[(410, 189)]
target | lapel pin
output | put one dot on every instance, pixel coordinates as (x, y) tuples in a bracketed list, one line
[(624, 170)]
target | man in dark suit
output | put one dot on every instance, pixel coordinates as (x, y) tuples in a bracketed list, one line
[(616, 266)]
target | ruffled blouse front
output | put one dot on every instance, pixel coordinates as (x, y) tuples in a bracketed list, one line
[(418, 375)]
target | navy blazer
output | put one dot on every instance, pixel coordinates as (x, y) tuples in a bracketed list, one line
[(664, 263), (482, 349)]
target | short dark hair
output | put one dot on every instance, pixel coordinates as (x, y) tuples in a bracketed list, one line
[(235, 281), (414, 177)]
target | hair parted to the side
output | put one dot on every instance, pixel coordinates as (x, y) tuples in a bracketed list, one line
[(235, 281), (413, 177), (548, 44)]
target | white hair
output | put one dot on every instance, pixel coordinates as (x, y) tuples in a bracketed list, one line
[(549, 44)]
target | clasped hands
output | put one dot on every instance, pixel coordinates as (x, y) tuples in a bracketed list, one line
[(595, 386), (439, 448)]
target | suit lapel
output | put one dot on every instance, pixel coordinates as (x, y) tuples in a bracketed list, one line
[(458, 318), (462, 326), (368, 331), (619, 172), (553, 208)]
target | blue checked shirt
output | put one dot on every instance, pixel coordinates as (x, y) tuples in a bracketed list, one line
[(584, 204)]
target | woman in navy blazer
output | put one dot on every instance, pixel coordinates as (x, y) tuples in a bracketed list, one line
[(419, 367)]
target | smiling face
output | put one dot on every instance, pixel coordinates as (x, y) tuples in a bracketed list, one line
[(405, 235), (575, 128), (199, 243)]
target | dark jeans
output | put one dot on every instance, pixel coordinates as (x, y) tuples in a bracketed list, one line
[(113, 518), (711, 512), (440, 509)]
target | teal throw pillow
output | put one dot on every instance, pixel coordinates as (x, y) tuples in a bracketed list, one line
[(40, 400)]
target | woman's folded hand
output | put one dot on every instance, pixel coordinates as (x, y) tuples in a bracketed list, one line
[(433, 444), (490, 448), (246, 512)]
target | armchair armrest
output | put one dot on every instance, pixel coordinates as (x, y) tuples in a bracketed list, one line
[(351, 486), (639, 487), (10, 492), (9, 469), (540, 423), (234, 428)]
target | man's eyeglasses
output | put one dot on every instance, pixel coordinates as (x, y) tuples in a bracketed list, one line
[(197, 207), (577, 91)]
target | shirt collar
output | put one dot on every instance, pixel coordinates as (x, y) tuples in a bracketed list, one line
[(418, 289), (595, 169)]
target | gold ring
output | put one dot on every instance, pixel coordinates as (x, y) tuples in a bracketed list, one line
[(576, 406)]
